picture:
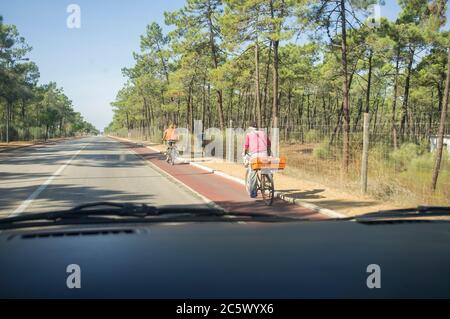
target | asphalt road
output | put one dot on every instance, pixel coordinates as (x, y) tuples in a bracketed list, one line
[(63, 175), (93, 169)]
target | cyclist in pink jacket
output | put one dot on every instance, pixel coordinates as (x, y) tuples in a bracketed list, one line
[(256, 141), (257, 144)]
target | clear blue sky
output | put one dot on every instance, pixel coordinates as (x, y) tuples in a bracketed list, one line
[(87, 62)]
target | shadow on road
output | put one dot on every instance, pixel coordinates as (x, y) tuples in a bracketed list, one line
[(14, 177), (98, 154), (279, 207), (63, 196), (308, 194)]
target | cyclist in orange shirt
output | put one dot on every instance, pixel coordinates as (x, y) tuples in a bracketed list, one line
[(170, 138), (170, 134)]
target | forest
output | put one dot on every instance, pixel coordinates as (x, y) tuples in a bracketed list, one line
[(30, 111), (312, 69)]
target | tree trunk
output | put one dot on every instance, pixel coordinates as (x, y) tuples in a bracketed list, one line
[(394, 102), (148, 120), (190, 115), (216, 64), (275, 105), (338, 124), (358, 115), (203, 105), (369, 82), (275, 75), (345, 90), (308, 115), (404, 120), (8, 111), (300, 110), (266, 83), (288, 117), (440, 141), (23, 111), (246, 105), (60, 127), (257, 95)]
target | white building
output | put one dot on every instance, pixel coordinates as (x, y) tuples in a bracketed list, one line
[(434, 141)]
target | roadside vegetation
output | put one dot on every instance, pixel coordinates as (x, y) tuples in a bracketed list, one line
[(29, 110), (311, 68)]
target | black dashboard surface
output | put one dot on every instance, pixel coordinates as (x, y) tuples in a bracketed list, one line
[(229, 260)]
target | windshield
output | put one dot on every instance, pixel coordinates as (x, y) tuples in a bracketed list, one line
[(288, 108), (224, 149)]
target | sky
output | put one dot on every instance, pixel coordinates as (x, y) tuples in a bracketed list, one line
[(87, 61)]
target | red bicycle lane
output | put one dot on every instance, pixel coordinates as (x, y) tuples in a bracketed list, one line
[(226, 193)]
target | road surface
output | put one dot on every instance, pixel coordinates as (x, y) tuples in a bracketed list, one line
[(65, 174), (74, 172)]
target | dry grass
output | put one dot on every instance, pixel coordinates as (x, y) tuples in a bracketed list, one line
[(387, 182)]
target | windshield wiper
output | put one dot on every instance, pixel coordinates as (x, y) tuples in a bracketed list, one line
[(403, 213), (107, 209), (86, 210), (108, 212)]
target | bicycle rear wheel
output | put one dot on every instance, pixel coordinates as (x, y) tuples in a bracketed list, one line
[(267, 189)]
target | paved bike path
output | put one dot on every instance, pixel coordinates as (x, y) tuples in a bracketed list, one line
[(228, 194)]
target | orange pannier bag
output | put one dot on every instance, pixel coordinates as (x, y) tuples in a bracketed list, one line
[(268, 162)]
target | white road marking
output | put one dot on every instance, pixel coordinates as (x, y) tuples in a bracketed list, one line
[(43, 186)]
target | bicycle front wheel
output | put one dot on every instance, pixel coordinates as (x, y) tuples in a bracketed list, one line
[(267, 189), (173, 156)]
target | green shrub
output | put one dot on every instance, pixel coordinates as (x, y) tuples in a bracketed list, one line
[(312, 136), (405, 154), (379, 151), (356, 139), (323, 151), (424, 145), (295, 136), (425, 162)]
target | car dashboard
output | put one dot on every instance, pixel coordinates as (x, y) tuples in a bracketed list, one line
[(322, 259)]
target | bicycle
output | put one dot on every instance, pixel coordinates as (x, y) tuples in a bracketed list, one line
[(172, 152), (264, 185), (265, 166)]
